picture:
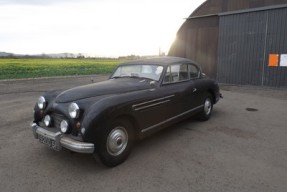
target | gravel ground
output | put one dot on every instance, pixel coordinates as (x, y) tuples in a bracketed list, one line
[(243, 147)]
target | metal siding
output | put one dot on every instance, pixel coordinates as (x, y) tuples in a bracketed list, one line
[(220, 6), (239, 54), (202, 47), (276, 43), (241, 48), (235, 5), (200, 43)]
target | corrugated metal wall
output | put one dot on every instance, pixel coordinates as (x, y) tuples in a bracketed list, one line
[(201, 32), (276, 43), (245, 42)]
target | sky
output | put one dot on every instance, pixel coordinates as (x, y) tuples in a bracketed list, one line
[(108, 28)]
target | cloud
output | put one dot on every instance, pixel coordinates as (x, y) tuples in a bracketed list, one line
[(103, 27), (38, 2)]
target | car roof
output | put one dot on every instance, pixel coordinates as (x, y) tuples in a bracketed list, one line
[(159, 61)]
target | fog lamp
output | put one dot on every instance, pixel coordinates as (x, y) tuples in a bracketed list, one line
[(47, 120), (83, 130), (64, 126)]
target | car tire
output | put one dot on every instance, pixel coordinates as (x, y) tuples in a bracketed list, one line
[(206, 112), (115, 143)]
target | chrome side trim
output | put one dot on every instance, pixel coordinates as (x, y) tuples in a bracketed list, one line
[(152, 103), (63, 141), (172, 118)]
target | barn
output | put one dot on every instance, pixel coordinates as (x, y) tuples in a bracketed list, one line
[(237, 42)]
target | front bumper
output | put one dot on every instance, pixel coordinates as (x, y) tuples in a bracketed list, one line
[(63, 141)]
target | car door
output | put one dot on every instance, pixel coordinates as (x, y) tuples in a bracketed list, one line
[(167, 100), (176, 83), (172, 99), (198, 89)]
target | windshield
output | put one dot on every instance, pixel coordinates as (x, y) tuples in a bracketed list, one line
[(152, 72)]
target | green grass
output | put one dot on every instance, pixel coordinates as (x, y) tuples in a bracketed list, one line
[(32, 68)]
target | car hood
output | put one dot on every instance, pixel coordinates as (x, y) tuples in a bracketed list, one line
[(111, 86)]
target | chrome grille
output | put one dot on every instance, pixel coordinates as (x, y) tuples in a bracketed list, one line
[(57, 118)]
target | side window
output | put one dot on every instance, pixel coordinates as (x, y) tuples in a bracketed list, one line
[(193, 71), (183, 72), (176, 73)]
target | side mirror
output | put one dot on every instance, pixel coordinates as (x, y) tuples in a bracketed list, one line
[(203, 75)]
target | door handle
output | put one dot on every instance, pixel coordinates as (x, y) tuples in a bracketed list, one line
[(194, 90)]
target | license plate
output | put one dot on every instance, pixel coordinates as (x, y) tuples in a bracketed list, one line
[(49, 142)]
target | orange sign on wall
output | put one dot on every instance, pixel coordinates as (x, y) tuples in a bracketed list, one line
[(273, 60)]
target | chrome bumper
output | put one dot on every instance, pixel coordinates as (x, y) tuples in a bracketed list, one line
[(63, 141)]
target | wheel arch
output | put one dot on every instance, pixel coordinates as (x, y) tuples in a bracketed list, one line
[(131, 120), (212, 93)]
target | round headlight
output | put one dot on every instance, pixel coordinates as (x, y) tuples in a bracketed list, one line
[(74, 110), (83, 130), (64, 126), (47, 120), (41, 102)]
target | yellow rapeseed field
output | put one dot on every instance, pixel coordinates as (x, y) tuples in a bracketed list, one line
[(32, 68)]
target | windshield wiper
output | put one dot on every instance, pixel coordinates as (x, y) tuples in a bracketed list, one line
[(126, 76), (147, 78), (116, 77), (132, 76), (139, 77)]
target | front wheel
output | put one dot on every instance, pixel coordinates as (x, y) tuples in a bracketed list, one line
[(205, 114), (116, 143)]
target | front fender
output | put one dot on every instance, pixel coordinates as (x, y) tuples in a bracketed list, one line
[(104, 111)]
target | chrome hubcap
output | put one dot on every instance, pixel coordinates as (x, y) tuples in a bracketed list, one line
[(207, 106), (117, 141)]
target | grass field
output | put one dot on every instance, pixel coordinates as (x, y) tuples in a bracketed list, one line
[(31, 68)]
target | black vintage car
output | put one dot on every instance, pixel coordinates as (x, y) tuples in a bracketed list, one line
[(140, 98)]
